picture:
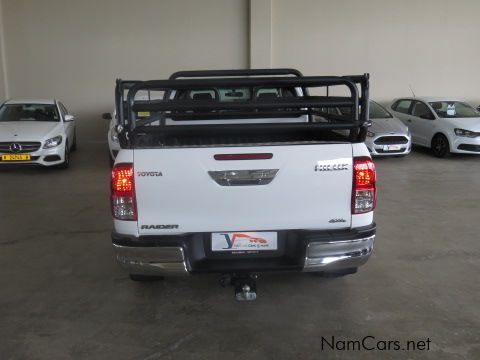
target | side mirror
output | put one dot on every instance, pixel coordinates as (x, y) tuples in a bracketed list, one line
[(107, 116), (68, 118)]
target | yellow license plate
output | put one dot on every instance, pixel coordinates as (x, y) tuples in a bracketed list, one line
[(143, 113), (17, 157)]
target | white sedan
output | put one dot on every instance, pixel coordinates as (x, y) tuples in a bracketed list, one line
[(40, 132), (443, 124)]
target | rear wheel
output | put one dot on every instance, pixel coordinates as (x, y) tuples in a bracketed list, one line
[(145, 278), (440, 146)]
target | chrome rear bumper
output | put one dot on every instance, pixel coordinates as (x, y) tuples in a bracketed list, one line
[(309, 251), (151, 260), (335, 255)]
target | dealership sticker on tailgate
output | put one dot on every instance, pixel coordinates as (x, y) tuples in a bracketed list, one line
[(244, 241)]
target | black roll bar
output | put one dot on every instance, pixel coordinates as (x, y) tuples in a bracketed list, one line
[(239, 72), (178, 109)]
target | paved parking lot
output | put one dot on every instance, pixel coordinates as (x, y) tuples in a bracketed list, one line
[(63, 297)]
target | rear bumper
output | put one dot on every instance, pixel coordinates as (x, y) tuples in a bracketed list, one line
[(335, 255), (299, 250), (168, 260)]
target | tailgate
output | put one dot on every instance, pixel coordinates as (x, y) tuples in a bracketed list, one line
[(187, 190)]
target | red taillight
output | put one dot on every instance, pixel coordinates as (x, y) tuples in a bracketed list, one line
[(364, 192), (253, 156), (123, 192)]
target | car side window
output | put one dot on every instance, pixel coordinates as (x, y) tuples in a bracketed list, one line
[(402, 106), (421, 110)]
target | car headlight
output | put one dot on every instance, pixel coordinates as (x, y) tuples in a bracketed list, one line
[(466, 133), (114, 136), (370, 134), (53, 142)]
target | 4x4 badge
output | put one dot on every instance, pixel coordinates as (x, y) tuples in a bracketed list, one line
[(333, 221)]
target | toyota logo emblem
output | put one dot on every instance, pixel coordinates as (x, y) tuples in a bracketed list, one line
[(15, 148)]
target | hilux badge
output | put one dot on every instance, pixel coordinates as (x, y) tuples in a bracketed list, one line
[(331, 166)]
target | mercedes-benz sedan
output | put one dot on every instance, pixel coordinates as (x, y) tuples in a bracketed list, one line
[(40, 132)]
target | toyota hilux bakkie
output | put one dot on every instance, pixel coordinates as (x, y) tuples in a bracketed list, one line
[(240, 172)]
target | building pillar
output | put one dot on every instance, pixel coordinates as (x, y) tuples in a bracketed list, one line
[(260, 34)]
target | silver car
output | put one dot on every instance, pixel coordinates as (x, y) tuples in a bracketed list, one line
[(387, 136)]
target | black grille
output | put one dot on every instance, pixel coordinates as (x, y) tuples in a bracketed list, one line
[(381, 151), (469, 147), (26, 147), (391, 140)]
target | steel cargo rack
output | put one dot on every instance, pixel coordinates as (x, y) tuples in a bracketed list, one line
[(171, 116)]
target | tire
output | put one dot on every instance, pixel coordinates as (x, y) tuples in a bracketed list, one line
[(145, 278), (74, 145), (336, 273), (440, 146), (66, 162)]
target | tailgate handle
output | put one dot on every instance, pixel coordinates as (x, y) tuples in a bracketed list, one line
[(243, 177)]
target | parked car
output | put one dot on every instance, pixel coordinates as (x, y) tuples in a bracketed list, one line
[(231, 175), (387, 136), (40, 132), (443, 124), (112, 135)]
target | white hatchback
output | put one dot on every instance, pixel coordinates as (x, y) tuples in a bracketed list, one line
[(387, 136), (443, 124), (40, 132)]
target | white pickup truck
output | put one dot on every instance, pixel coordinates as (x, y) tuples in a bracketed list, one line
[(240, 172)]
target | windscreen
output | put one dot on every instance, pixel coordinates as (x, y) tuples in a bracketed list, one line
[(29, 112), (378, 112), (454, 109)]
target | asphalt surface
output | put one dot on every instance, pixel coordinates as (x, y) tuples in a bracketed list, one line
[(62, 296)]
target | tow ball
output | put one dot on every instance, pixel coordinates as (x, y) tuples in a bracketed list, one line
[(245, 285)]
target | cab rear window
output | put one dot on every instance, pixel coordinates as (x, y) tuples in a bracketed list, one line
[(237, 94)]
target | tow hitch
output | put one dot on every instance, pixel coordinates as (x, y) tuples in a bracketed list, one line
[(245, 285)]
